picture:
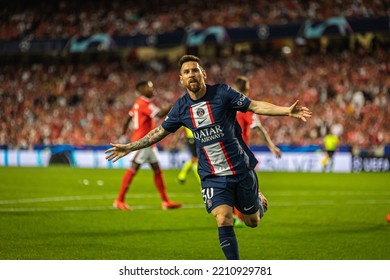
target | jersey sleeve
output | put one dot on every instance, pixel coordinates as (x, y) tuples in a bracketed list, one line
[(255, 121), (236, 100), (153, 110), (131, 111), (172, 122)]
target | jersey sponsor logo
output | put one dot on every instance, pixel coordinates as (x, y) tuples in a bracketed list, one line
[(209, 134)]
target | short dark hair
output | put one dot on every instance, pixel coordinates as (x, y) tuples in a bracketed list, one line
[(241, 83), (187, 58), (141, 84)]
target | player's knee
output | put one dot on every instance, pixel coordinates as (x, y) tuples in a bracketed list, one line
[(252, 221), (224, 219)]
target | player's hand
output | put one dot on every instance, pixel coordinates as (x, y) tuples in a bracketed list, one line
[(117, 151), (276, 151), (299, 112)]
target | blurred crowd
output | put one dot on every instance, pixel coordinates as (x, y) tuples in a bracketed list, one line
[(87, 103), (63, 19)]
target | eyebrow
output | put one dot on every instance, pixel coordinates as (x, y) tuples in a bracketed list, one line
[(191, 68)]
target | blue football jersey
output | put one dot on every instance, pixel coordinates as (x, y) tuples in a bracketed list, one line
[(212, 119)]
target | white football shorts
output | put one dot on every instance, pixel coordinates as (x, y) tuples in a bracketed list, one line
[(147, 155)]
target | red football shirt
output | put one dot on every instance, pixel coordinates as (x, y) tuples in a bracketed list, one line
[(142, 113), (247, 121)]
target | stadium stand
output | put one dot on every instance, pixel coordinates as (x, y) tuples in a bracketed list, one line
[(64, 19), (79, 101)]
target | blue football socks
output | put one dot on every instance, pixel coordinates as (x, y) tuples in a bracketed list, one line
[(228, 242)]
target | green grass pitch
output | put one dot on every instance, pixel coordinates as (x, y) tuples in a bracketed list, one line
[(52, 214)]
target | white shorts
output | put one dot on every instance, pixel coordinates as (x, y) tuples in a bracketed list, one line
[(147, 155)]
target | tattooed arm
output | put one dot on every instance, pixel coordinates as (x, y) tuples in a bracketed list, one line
[(120, 150)]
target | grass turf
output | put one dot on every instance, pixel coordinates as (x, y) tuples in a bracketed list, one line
[(52, 214)]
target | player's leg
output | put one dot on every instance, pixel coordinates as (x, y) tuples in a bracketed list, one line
[(227, 238), (194, 158), (195, 168), (190, 164), (237, 216), (127, 178), (325, 161), (330, 161), (182, 176), (219, 202), (250, 201), (161, 188), (159, 181)]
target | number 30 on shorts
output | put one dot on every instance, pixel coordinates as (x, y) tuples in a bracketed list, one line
[(207, 194)]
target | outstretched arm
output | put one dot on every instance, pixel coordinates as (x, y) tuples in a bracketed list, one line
[(126, 124), (120, 150), (267, 140), (269, 109)]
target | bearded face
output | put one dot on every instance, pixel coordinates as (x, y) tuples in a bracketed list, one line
[(193, 85), (192, 76)]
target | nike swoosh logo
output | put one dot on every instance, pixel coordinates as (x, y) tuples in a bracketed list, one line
[(246, 209), (200, 122)]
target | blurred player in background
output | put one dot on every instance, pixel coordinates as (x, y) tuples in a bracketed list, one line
[(249, 121), (225, 163), (191, 164), (331, 141), (142, 115)]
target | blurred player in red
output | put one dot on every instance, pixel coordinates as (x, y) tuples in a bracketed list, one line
[(142, 116), (249, 121)]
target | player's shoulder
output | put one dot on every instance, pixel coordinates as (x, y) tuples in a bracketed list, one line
[(184, 99), (181, 103), (219, 87), (147, 100), (141, 101), (219, 90)]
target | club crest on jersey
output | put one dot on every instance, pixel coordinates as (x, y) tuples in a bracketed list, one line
[(209, 203), (200, 112)]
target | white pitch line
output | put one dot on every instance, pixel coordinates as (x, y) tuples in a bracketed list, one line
[(55, 199), (45, 209), (83, 197), (92, 208), (326, 193), (189, 206), (331, 202), (144, 195)]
